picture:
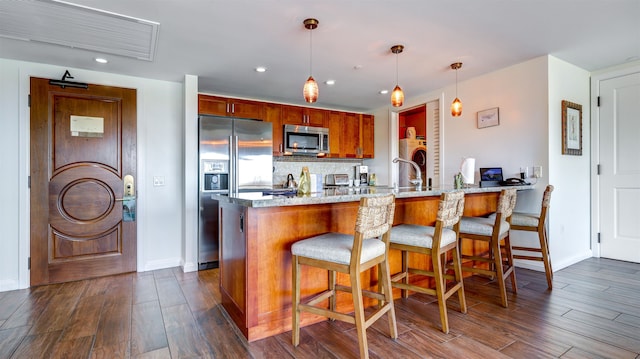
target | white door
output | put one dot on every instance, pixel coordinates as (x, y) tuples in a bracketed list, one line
[(619, 186)]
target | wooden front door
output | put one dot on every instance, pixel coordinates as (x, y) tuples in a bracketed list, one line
[(83, 144)]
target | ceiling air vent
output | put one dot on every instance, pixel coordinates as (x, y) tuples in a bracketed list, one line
[(66, 24)]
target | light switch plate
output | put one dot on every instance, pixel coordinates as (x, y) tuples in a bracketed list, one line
[(158, 181), (537, 171)]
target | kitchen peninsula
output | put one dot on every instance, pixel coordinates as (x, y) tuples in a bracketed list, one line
[(257, 232)]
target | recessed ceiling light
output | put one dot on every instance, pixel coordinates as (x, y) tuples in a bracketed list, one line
[(101, 60), (330, 82), (384, 92), (261, 69)]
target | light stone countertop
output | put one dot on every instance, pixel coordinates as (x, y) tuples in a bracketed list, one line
[(345, 194)]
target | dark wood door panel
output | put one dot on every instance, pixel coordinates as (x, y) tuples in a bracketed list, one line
[(69, 147)]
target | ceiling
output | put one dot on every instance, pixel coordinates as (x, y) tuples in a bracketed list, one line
[(222, 42)]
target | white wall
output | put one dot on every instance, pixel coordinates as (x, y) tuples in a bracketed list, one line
[(383, 131), (569, 221), (160, 118), (11, 203), (190, 165)]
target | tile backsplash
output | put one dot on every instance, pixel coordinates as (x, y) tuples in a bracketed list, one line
[(293, 165)]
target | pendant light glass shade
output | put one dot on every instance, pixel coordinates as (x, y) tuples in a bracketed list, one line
[(456, 105), (397, 96), (310, 89)]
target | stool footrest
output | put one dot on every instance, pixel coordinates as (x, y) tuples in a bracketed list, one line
[(529, 249), (529, 258)]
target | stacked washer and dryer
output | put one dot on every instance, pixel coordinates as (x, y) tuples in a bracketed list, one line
[(415, 150)]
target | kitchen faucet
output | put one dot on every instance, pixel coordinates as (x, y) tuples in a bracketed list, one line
[(416, 181)]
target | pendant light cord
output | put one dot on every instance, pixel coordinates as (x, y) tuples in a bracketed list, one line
[(456, 83), (396, 69), (310, 51)]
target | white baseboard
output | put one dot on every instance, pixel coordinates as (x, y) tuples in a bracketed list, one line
[(189, 267), (565, 262), (162, 264), (555, 264), (533, 265), (7, 284)]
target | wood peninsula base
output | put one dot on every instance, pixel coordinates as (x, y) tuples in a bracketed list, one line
[(255, 248)]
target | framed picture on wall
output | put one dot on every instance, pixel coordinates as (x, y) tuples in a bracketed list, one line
[(571, 128), (488, 118)]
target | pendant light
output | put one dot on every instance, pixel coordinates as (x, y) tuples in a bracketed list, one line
[(456, 105), (397, 96), (310, 89)]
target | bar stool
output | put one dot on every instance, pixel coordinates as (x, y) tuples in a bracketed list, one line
[(493, 231), (435, 242), (535, 223), (350, 254)]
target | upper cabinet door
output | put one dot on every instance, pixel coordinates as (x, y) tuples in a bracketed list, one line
[(293, 115), (334, 122), (367, 131), (230, 107), (350, 136), (211, 105), (246, 109), (273, 114), (316, 117), (303, 116)]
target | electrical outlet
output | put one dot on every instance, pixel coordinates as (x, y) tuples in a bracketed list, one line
[(158, 181), (537, 171)]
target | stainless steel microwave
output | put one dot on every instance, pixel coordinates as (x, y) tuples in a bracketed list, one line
[(306, 140)]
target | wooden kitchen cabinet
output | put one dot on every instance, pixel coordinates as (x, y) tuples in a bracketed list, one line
[(273, 114), (334, 122), (350, 136), (367, 136), (230, 107), (304, 116)]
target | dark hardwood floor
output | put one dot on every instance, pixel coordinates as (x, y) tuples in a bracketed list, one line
[(592, 312)]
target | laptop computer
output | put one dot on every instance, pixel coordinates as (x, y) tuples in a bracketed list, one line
[(490, 176)]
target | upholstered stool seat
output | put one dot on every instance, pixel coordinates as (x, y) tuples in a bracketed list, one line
[(336, 247), (483, 226), (493, 230), (420, 236), (435, 241), (525, 219), (353, 254)]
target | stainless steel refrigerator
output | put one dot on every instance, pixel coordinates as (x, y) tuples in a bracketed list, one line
[(235, 156)]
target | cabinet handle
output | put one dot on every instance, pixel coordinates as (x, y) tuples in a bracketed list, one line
[(233, 108)]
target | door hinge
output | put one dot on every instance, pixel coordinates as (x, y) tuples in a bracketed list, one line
[(29, 100), (598, 101), (29, 182), (598, 237), (29, 263), (598, 169)]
